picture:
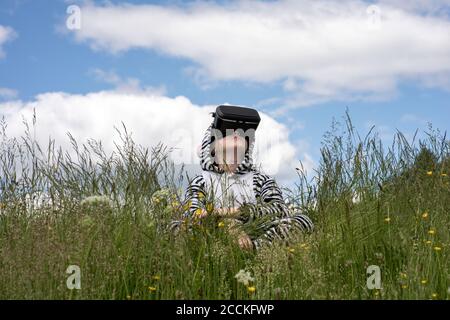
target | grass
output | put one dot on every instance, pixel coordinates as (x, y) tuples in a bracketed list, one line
[(372, 205)]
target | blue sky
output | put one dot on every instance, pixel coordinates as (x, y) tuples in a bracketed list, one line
[(40, 58)]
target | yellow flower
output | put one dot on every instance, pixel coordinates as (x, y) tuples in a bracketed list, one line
[(423, 281), (221, 224), (198, 212), (431, 231), (156, 277), (201, 195), (291, 250), (187, 205), (175, 204), (429, 173), (434, 295), (443, 174), (428, 242), (251, 289), (403, 275), (209, 207), (152, 289), (404, 286), (437, 248), (128, 297), (387, 219), (425, 215), (377, 293)]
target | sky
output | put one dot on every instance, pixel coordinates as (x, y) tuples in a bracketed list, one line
[(160, 67)]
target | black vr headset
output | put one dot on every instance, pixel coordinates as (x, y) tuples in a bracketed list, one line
[(230, 119)]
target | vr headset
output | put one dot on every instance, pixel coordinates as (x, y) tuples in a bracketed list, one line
[(228, 119)]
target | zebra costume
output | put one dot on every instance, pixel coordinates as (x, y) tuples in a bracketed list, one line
[(246, 187)]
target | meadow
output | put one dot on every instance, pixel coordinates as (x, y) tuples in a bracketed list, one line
[(372, 204)]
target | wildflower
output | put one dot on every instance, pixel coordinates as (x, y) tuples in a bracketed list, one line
[(187, 205), (291, 250), (429, 173), (156, 277), (128, 297), (244, 277), (434, 295), (198, 212), (377, 293), (403, 275), (379, 255), (431, 231), (425, 215), (443, 174), (251, 289), (221, 224), (387, 219), (209, 207), (404, 286), (423, 281), (152, 289), (96, 200), (437, 248), (428, 242)]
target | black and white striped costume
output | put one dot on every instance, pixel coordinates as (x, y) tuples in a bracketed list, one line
[(268, 197)]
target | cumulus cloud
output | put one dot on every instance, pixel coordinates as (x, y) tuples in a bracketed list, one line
[(6, 34), (8, 94), (151, 118), (127, 85), (319, 50)]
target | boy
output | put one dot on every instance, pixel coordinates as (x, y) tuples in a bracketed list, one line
[(240, 190)]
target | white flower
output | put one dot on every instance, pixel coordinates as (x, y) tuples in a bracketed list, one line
[(244, 277), (96, 200)]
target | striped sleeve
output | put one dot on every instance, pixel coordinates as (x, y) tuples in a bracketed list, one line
[(270, 204), (269, 199), (194, 196)]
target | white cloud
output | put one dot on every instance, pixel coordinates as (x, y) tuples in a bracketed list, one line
[(8, 94), (413, 119), (150, 117), (321, 50), (6, 34), (128, 85)]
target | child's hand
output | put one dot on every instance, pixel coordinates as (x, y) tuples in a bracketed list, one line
[(227, 212), (245, 242), (201, 213)]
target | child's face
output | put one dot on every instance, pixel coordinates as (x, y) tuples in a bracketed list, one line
[(230, 152)]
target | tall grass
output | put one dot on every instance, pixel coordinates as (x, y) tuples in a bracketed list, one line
[(107, 213)]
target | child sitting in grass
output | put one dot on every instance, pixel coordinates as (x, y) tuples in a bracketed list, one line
[(240, 192)]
